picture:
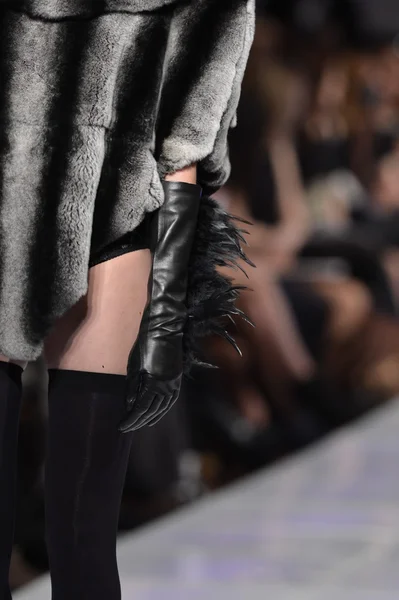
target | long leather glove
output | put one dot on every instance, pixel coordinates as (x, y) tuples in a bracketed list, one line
[(155, 364)]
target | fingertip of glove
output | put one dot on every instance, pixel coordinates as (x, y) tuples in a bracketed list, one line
[(125, 426)]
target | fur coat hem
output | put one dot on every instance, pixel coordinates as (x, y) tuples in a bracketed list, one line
[(95, 108)]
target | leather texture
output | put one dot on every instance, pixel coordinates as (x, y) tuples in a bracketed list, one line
[(155, 365)]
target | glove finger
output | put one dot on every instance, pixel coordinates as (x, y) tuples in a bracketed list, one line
[(157, 408), (162, 414), (168, 406), (139, 407), (153, 409)]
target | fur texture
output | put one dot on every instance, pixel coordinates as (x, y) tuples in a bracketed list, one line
[(95, 107), (57, 10)]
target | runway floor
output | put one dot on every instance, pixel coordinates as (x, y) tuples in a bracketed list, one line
[(321, 526)]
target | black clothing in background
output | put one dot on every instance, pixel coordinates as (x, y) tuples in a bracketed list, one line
[(363, 22), (318, 158), (321, 158), (311, 314)]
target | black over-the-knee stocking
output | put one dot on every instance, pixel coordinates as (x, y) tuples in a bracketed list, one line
[(10, 404), (85, 471)]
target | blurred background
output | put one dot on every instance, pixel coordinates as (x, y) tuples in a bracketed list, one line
[(315, 169)]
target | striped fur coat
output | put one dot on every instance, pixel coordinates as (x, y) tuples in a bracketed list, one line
[(99, 99)]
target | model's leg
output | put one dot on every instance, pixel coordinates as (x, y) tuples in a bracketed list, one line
[(87, 456), (10, 403), (97, 334)]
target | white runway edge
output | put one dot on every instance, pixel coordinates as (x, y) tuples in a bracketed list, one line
[(321, 526)]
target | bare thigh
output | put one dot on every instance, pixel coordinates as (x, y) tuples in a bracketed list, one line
[(97, 333)]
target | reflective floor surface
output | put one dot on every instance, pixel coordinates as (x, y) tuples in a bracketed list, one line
[(321, 526)]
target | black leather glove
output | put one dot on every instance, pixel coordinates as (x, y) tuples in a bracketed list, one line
[(155, 364)]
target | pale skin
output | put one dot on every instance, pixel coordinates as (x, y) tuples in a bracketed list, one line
[(96, 334)]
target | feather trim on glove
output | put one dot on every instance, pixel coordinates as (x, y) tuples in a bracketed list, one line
[(211, 297)]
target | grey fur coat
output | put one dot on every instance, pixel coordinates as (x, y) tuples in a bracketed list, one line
[(99, 99)]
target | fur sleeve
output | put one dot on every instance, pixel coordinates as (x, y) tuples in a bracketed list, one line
[(208, 51)]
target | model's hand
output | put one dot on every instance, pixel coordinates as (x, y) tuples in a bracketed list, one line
[(154, 373), (150, 399), (155, 363)]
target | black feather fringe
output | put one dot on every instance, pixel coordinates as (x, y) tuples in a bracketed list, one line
[(211, 296)]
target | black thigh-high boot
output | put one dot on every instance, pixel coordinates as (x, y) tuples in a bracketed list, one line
[(10, 405), (85, 471)]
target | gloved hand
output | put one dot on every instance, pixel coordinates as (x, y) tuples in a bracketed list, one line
[(155, 364)]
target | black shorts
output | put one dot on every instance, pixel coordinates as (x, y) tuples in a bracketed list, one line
[(139, 239)]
